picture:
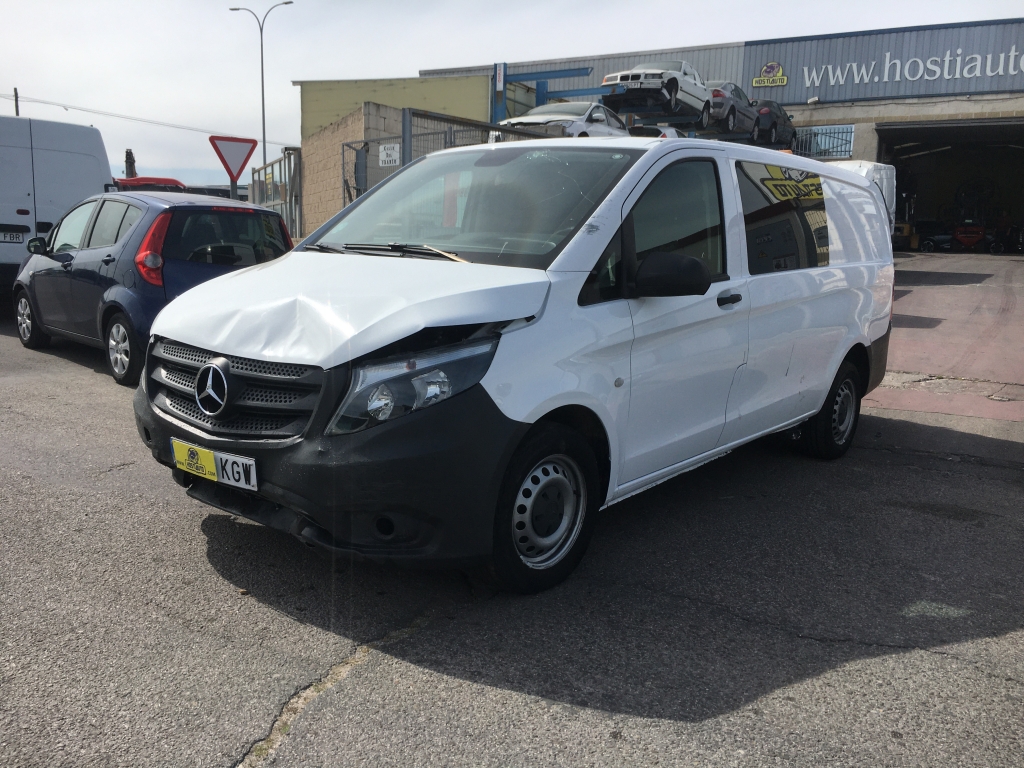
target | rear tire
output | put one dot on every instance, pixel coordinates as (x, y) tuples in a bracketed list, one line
[(927, 246), (124, 353), (729, 124), (773, 134), (546, 509), (829, 433), (30, 332), (755, 132)]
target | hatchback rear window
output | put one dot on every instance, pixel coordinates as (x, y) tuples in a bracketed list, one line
[(230, 237)]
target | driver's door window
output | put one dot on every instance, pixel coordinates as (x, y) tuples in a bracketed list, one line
[(68, 236)]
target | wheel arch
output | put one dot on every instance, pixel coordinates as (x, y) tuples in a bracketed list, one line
[(589, 425), (858, 355)]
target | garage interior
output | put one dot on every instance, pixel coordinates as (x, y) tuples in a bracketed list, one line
[(956, 171)]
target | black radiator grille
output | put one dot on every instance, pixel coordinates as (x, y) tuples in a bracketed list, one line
[(266, 399)]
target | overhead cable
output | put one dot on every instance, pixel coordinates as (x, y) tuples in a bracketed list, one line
[(21, 98)]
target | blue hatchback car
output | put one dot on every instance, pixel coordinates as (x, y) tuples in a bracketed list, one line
[(115, 260)]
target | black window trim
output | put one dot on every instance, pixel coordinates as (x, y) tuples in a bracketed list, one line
[(627, 244)]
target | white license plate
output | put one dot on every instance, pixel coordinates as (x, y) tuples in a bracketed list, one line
[(12, 237), (633, 85), (226, 468)]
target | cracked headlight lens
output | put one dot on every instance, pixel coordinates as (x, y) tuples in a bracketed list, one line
[(384, 390)]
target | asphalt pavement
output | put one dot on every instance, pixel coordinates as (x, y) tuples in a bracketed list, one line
[(765, 609)]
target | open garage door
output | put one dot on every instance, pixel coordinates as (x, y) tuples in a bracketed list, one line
[(958, 182)]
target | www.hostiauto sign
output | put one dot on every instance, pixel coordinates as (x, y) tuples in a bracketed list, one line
[(936, 61)]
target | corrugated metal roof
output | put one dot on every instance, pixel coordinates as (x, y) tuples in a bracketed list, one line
[(714, 62)]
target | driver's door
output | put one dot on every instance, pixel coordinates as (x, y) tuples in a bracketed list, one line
[(52, 283), (686, 349)]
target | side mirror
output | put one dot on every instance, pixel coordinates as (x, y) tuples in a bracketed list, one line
[(37, 246), (790, 117), (672, 274)]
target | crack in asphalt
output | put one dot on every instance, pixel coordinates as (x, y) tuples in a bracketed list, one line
[(259, 752)]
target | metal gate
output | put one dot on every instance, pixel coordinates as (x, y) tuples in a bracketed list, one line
[(278, 186), (365, 164)]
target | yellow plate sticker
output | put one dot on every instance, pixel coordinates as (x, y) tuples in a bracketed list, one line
[(192, 458)]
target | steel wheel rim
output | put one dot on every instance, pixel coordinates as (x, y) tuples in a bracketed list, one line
[(548, 516), (118, 349), (843, 411), (24, 319)]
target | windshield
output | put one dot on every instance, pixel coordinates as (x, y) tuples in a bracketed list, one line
[(568, 108), (671, 66), (512, 206)]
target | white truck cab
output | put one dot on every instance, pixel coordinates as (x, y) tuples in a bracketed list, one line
[(45, 168), (472, 359)]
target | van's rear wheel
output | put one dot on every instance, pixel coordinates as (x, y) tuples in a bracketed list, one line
[(546, 510), (829, 433)]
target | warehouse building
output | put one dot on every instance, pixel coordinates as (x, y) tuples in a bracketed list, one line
[(944, 104)]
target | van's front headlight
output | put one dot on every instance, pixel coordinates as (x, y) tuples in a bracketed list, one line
[(384, 390)]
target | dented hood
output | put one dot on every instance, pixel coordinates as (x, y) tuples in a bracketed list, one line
[(325, 309)]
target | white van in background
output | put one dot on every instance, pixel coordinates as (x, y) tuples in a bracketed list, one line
[(45, 168)]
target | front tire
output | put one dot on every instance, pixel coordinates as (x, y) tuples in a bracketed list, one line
[(829, 433), (755, 132), (124, 353), (773, 134), (30, 332), (705, 117), (546, 509)]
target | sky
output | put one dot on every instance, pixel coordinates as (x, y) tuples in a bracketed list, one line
[(196, 63)]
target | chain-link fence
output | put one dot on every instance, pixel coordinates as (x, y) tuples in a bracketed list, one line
[(364, 164), (825, 142), (278, 186)]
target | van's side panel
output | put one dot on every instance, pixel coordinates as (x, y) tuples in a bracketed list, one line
[(70, 165), (15, 195), (568, 355)]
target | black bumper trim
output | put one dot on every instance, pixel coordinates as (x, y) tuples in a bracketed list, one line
[(422, 488), (878, 358)]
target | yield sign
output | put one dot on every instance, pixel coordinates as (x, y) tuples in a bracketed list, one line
[(233, 153)]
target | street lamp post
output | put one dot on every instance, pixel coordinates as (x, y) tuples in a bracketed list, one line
[(263, 98)]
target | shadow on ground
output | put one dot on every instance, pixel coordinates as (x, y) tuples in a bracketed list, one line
[(709, 591), (65, 349)]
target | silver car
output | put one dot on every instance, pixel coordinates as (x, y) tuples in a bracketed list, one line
[(577, 118), (731, 109)]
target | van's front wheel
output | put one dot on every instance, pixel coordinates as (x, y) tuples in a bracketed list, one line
[(545, 510), (829, 433)]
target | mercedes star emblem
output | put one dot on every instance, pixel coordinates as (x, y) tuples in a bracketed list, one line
[(211, 390)]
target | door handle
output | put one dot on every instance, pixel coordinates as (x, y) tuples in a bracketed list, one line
[(108, 259), (726, 300)]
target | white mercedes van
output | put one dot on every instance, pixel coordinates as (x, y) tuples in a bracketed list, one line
[(470, 361)]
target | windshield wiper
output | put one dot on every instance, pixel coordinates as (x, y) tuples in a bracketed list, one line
[(425, 251), (322, 248)]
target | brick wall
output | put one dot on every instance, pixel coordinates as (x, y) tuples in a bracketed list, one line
[(321, 169)]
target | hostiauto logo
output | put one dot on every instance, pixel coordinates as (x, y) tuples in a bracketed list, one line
[(212, 389), (771, 75)]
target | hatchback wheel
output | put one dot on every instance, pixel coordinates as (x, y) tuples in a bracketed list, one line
[(829, 433), (546, 510), (755, 132), (773, 134), (29, 330), (124, 356)]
